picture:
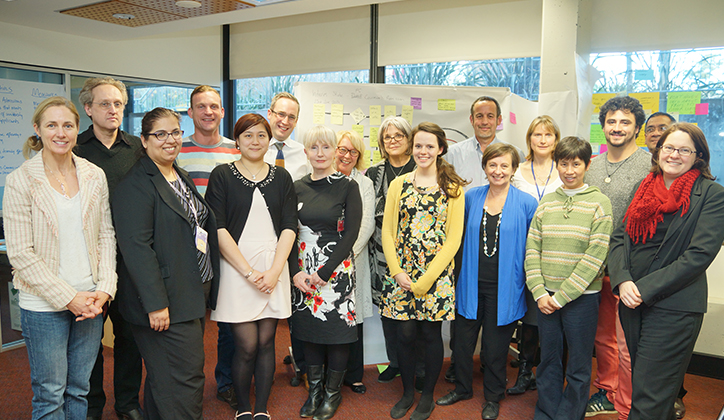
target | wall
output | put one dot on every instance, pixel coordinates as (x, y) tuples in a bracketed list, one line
[(186, 57)]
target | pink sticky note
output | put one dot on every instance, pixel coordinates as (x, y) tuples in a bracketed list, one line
[(512, 118), (416, 103), (603, 149), (500, 127), (701, 109)]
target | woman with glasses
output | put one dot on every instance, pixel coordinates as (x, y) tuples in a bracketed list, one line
[(673, 230), (396, 150), (324, 315), (61, 246), (349, 161), (168, 240)]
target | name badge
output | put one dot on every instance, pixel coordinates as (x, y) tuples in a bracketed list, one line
[(202, 239)]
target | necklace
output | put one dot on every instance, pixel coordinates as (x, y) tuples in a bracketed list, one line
[(62, 184), (535, 181), (608, 176), (253, 176), (485, 232), (392, 169)]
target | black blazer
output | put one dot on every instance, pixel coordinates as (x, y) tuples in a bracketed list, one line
[(676, 278), (156, 240)]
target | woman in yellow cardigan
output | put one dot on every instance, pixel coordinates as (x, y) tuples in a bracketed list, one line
[(421, 232)]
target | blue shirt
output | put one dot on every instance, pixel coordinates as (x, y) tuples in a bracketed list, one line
[(467, 158)]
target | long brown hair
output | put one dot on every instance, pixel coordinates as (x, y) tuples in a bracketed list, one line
[(448, 180)]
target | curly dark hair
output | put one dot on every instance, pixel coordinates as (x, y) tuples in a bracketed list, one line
[(625, 103)]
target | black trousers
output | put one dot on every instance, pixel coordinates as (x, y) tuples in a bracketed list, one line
[(174, 387), (356, 361), (127, 369), (660, 342), (495, 342), (389, 329)]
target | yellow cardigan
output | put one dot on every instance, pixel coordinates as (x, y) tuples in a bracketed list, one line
[(453, 234)]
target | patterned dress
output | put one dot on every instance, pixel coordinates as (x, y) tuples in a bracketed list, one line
[(330, 212), (420, 236)]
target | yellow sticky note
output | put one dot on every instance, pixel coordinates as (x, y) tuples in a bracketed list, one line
[(376, 157), (407, 113), (360, 129), (649, 100), (318, 114), (446, 104), (375, 114), (600, 99), (337, 114), (390, 111), (682, 102), (374, 133), (367, 156)]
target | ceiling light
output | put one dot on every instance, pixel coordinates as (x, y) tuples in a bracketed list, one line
[(188, 4), (124, 16)]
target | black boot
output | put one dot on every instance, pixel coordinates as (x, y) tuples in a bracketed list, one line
[(525, 381), (314, 377), (332, 396)]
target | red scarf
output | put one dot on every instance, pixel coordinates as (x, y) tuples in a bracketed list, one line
[(653, 200)]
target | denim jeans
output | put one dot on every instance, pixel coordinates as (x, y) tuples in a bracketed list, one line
[(576, 323), (61, 353)]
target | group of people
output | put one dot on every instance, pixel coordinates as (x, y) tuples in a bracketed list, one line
[(260, 228)]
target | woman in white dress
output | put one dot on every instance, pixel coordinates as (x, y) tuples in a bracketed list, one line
[(537, 177), (256, 212), (349, 160)]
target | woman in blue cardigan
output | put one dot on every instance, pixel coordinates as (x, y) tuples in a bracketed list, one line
[(489, 294)]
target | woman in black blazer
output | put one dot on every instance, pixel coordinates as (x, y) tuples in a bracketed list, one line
[(168, 240), (673, 230)]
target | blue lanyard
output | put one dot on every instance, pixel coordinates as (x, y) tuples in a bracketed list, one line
[(535, 181)]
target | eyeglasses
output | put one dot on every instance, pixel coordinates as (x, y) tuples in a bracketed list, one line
[(343, 151), (163, 136), (284, 115), (655, 128), (105, 105), (397, 137), (683, 151)]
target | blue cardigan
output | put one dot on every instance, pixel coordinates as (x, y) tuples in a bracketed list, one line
[(518, 211)]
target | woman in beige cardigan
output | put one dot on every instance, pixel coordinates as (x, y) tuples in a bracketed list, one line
[(61, 244)]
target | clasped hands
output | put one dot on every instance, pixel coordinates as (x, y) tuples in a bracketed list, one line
[(629, 294), (265, 281), (87, 305), (304, 281)]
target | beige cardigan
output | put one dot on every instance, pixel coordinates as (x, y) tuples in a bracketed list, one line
[(31, 231)]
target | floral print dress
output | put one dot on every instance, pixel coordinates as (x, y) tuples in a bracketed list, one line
[(420, 236)]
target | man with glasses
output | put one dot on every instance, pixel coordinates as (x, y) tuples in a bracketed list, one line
[(114, 151), (617, 172), (200, 153), (283, 115), (656, 124)]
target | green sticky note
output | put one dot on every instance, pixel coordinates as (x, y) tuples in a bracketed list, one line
[(381, 368), (446, 104), (597, 136), (682, 102)]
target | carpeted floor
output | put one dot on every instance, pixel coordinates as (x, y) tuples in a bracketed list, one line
[(704, 400)]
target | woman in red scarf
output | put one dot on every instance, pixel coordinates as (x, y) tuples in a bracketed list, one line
[(673, 229)]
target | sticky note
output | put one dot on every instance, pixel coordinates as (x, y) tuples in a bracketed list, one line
[(374, 142), (358, 115), (682, 102), (702, 108), (337, 114), (375, 115), (603, 149), (416, 103), (500, 127), (360, 129), (512, 118), (318, 114), (649, 100), (390, 111), (376, 156), (446, 104), (407, 113), (600, 99), (367, 156), (597, 136)]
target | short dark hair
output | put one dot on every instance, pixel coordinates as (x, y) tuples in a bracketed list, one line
[(501, 149), (486, 99), (247, 121), (697, 137), (573, 147), (661, 114), (154, 115), (624, 103)]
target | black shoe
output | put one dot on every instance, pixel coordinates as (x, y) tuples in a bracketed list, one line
[(388, 375), (452, 397), (332, 395), (418, 414), (357, 389), (136, 413), (228, 396), (314, 376), (419, 384), (679, 408), (299, 379), (525, 381), (450, 374), (400, 409), (287, 360), (93, 418), (491, 410)]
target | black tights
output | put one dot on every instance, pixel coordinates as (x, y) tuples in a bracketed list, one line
[(407, 333), (336, 355), (255, 357)]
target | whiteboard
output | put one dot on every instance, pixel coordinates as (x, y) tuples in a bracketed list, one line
[(18, 100)]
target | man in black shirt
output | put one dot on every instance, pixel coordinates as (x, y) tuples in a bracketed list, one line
[(114, 151)]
